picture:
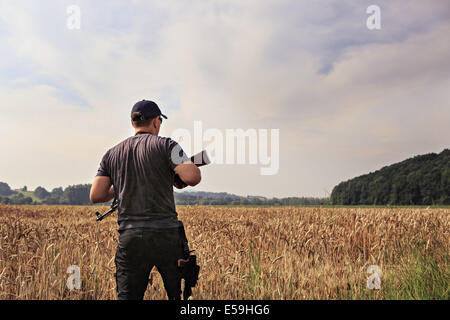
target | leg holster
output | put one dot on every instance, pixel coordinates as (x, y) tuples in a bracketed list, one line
[(188, 266)]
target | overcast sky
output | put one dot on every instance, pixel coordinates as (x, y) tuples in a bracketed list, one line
[(346, 100)]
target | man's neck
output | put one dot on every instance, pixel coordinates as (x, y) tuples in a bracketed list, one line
[(143, 131)]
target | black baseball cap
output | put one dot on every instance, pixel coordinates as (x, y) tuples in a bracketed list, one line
[(148, 109)]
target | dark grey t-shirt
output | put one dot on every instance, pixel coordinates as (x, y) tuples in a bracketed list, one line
[(141, 171)]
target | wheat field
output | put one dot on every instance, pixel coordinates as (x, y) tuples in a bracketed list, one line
[(244, 253)]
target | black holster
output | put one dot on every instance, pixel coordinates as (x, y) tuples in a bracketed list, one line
[(188, 266)]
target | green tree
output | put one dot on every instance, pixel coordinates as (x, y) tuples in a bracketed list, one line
[(419, 180), (57, 192), (53, 199), (5, 190), (78, 194), (41, 193)]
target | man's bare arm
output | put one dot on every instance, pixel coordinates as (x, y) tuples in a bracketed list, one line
[(189, 173), (101, 190)]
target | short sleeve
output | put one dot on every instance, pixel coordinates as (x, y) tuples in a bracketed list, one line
[(175, 153), (103, 170)]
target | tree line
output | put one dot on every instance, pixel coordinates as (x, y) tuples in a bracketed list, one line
[(421, 180), (223, 198), (79, 195), (72, 195)]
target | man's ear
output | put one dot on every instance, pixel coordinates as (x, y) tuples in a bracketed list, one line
[(153, 124)]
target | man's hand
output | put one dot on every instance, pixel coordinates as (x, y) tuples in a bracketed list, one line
[(188, 173), (178, 183)]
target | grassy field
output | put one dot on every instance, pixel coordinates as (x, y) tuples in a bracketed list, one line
[(244, 253)]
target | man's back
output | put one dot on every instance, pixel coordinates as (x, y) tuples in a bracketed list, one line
[(141, 171)]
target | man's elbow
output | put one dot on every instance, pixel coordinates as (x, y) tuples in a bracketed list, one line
[(95, 198)]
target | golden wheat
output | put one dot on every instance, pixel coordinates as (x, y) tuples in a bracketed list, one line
[(244, 253)]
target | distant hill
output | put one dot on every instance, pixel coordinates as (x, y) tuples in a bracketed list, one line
[(421, 180), (224, 198)]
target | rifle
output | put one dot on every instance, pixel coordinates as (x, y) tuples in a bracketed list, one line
[(114, 206)]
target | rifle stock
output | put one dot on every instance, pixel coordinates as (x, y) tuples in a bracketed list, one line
[(200, 159)]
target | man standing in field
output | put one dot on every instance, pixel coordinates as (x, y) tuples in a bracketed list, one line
[(140, 173)]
